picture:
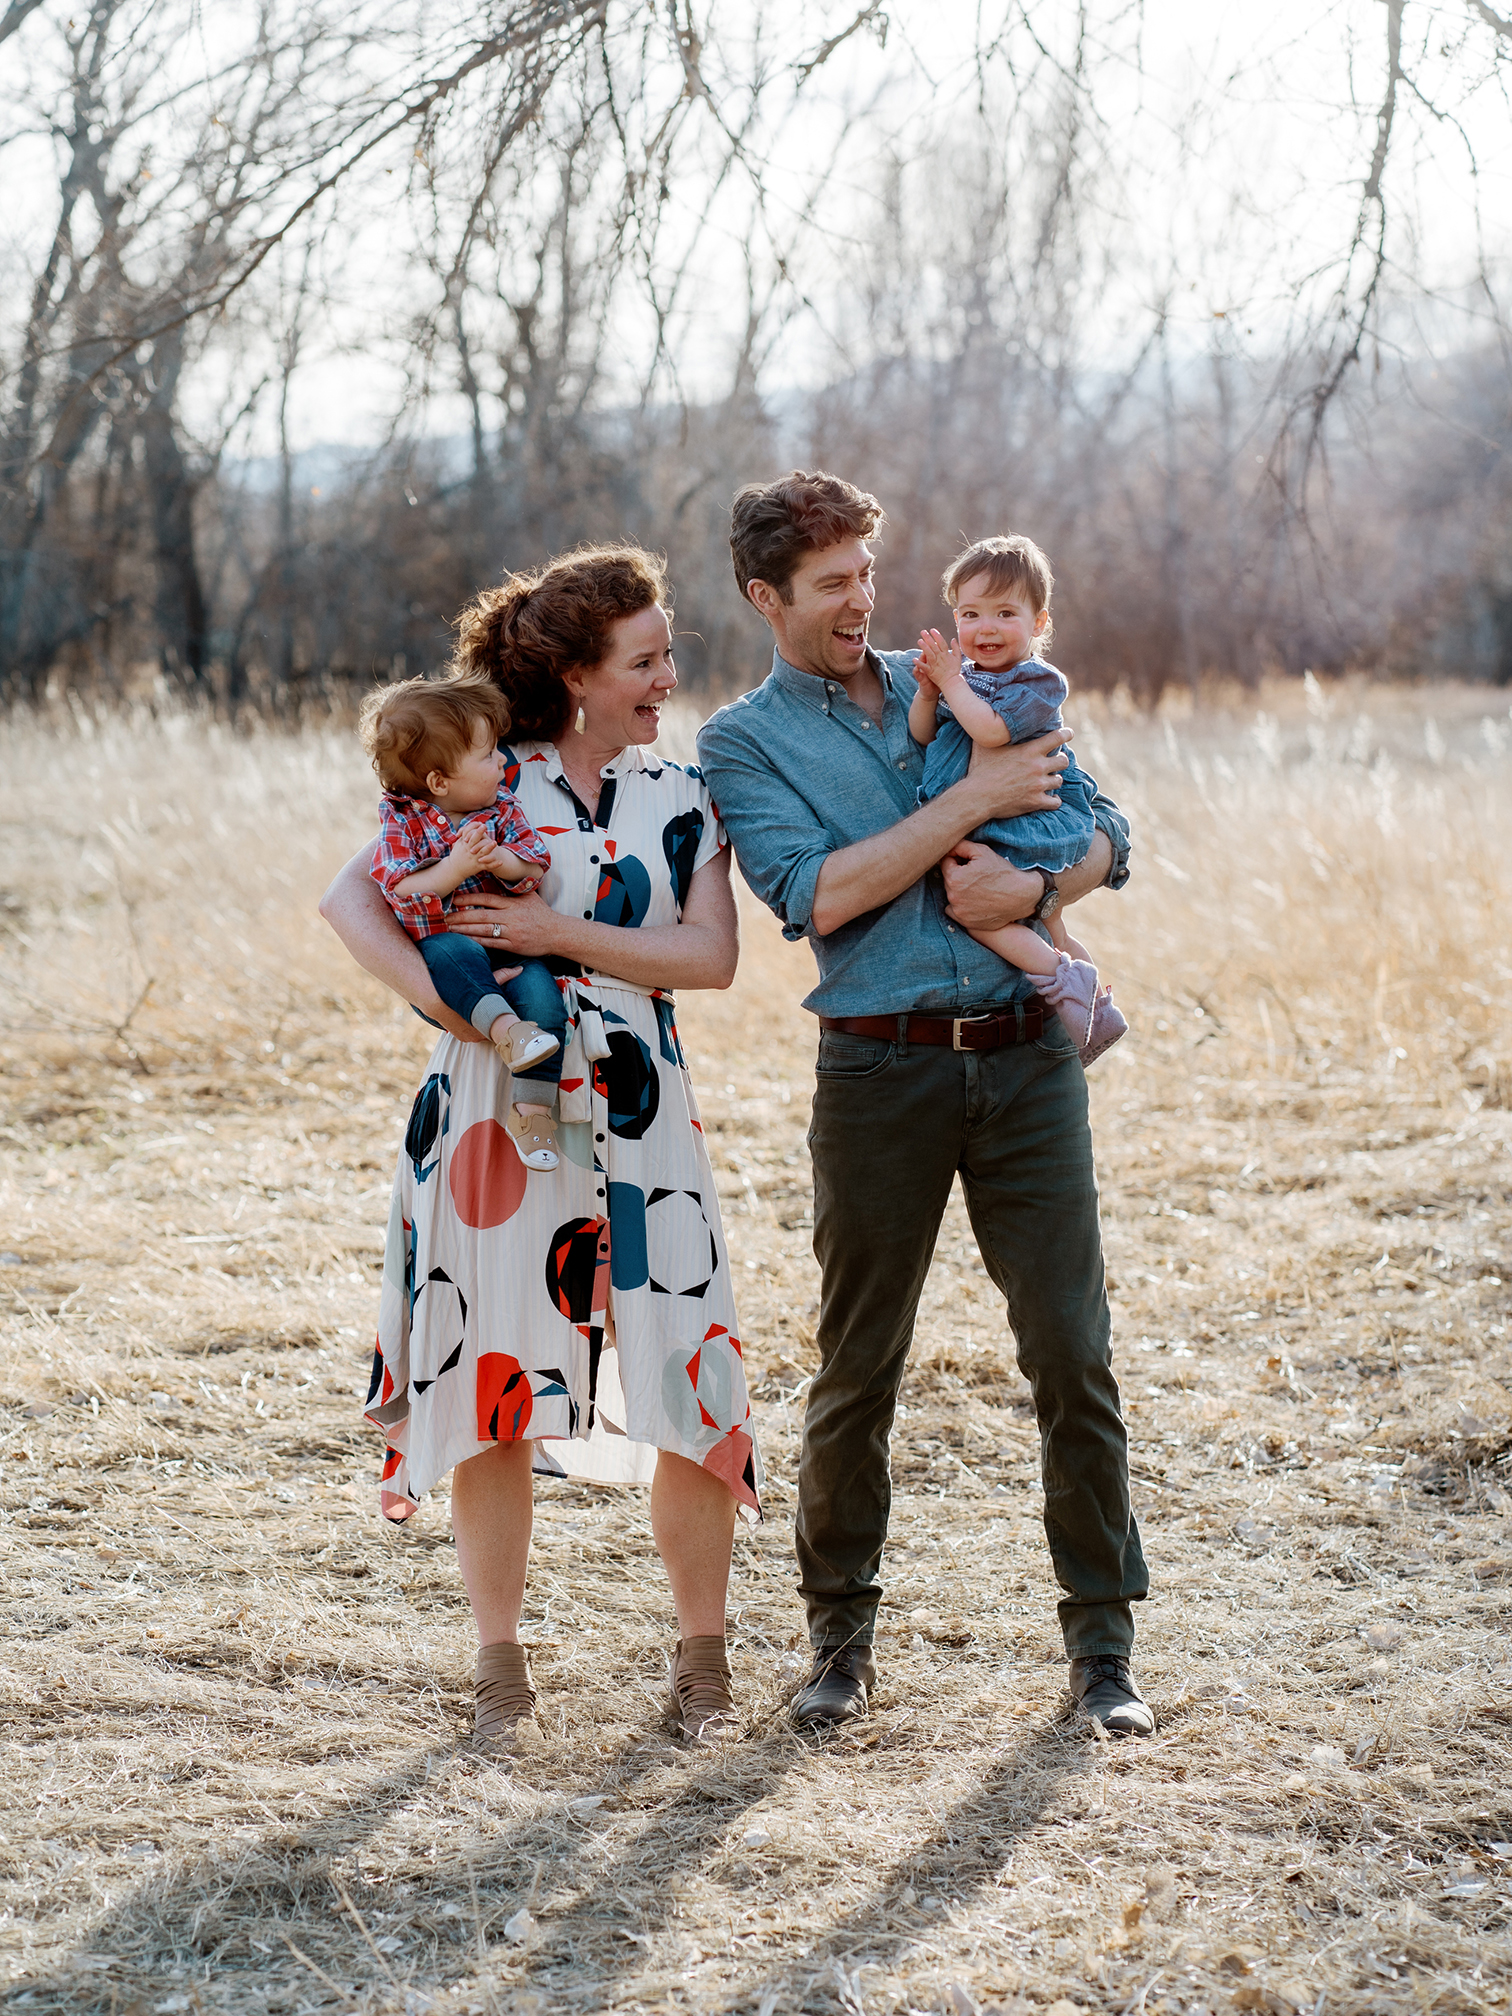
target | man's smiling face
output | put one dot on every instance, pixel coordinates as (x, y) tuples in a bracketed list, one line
[(823, 628)]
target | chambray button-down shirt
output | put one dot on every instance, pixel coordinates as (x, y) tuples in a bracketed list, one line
[(798, 770)]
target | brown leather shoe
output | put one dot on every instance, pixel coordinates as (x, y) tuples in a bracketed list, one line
[(504, 1692), (837, 1688), (1104, 1687), (703, 1703)]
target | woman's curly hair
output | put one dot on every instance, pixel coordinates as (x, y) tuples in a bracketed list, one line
[(529, 632)]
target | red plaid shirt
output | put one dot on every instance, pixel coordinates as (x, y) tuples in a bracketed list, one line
[(414, 834)]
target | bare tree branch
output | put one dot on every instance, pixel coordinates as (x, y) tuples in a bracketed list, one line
[(1370, 229), (1498, 23), (14, 15), (870, 15)]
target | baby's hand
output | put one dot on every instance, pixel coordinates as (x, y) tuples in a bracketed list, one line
[(938, 662), (474, 845)]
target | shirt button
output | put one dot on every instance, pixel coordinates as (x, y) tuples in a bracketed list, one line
[(598, 1137), (902, 762), (593, 859), (589, 915), (951, 929), (601, 1193)]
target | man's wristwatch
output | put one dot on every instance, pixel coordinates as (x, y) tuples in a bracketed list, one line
[(1049, 902)]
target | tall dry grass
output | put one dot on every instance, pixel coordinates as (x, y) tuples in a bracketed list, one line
[(235, 1699)]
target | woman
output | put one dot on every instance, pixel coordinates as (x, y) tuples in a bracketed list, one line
[(503, 1287)]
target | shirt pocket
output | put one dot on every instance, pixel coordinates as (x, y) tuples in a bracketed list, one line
[(846, 1056)]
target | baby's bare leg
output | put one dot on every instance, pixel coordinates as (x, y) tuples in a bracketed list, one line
[(1021, 947), (1069, 984), (1062, 940)]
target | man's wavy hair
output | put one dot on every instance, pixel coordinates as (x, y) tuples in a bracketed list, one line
[(773, 525), (529, 632)]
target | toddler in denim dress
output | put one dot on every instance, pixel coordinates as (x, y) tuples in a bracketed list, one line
[(450, 824), (992, 688)]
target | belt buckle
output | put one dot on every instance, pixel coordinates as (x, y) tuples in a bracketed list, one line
[(960, 1022)]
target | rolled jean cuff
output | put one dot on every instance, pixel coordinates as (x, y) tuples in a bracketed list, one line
[(1108, 1635), (487, 1011)]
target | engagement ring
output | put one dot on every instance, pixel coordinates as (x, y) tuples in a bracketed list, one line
[(497, 929)]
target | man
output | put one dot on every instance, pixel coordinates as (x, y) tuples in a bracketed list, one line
[(934, 1057)]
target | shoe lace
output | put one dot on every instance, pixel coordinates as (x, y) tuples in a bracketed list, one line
[(1107, 1666)]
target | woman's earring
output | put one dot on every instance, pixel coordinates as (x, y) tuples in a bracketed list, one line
[(580, 724)]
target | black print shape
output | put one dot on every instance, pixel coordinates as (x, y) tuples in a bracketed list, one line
[(680, 838), (428, 1123)]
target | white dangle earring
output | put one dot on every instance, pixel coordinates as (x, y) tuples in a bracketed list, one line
[(580, 724)]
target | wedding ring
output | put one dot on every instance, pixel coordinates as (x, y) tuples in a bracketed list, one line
[(497, 929)]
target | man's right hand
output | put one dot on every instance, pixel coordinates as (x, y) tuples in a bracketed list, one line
[(1021, 778)]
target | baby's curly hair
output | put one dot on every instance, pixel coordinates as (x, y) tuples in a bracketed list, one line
[(422, 725), (526, 634)]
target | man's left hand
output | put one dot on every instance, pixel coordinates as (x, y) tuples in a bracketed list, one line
[(526, 927), (984, 892)]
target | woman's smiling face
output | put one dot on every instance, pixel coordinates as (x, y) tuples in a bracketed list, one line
[(622, 698)]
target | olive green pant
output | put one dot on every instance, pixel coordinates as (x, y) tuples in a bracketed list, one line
[(893, 1123)]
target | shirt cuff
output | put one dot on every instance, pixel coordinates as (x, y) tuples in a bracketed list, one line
[(797, 906), (1116, 827)]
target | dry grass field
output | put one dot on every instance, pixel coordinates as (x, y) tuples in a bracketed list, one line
[(236, 1703)]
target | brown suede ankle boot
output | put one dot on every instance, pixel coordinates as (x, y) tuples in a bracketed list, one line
[(703, 1706), (505, 1695)]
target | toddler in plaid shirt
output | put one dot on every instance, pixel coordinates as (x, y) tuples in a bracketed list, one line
[(449, 823)]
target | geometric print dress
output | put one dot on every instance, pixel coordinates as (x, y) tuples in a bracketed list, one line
[(589, 1308)]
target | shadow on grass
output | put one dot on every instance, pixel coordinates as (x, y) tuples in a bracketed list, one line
[(213, 1931), (966, 1852)]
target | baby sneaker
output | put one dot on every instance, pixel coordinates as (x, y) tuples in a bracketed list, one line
[(533, 1137), (526, 1043), (1071, 991), (1108, 1025)]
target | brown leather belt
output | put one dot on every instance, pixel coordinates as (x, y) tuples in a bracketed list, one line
[(1024, 1023)]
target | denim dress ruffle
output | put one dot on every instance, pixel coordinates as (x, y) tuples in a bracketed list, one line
[(1028, 701)]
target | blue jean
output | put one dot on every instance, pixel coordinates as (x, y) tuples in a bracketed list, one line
[(462, 976)]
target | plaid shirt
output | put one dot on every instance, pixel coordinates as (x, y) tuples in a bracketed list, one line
[(414, 834)]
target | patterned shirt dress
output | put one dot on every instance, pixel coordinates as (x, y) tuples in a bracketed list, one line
[(588, 1309)]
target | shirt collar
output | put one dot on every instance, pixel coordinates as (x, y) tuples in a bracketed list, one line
[(821, 692), (631, 758)]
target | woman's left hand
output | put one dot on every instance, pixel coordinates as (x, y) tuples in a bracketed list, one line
[(524, 926)]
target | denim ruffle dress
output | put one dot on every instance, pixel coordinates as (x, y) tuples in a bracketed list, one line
[(1027, 699)]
